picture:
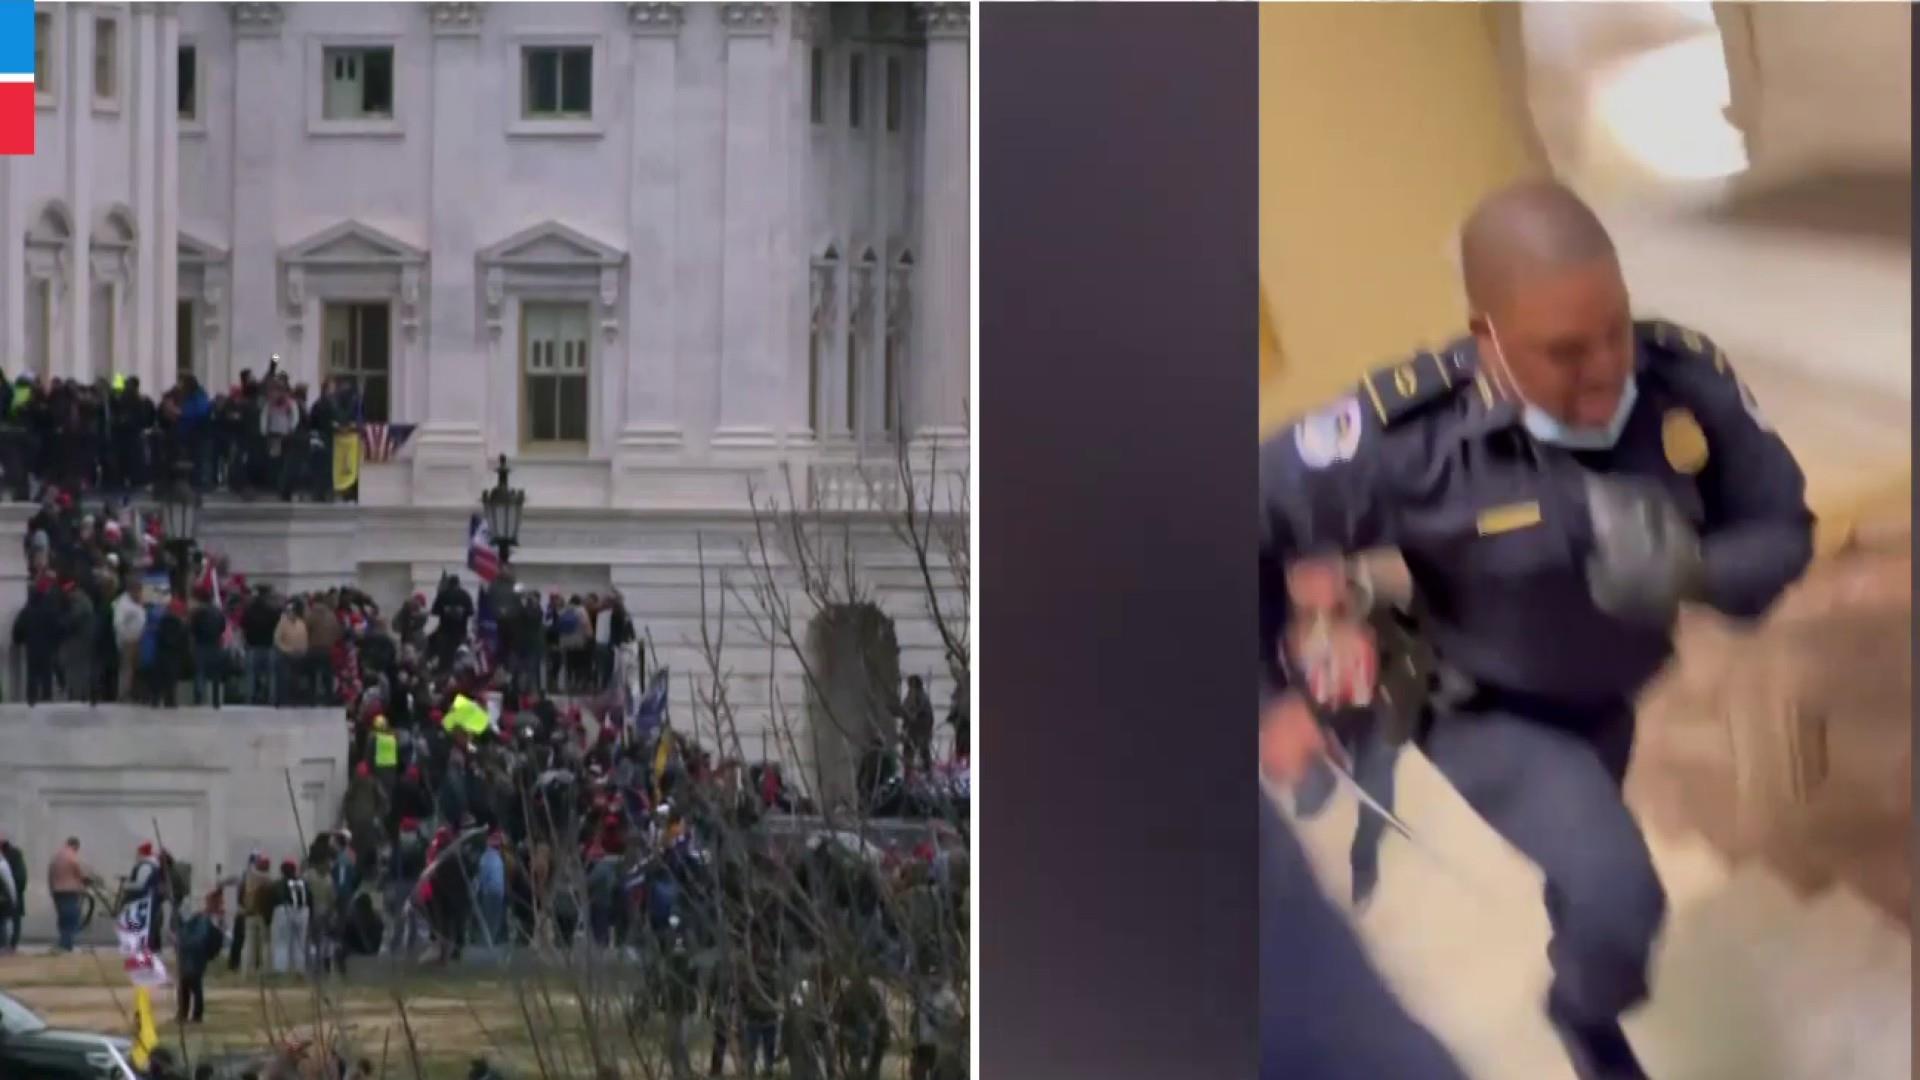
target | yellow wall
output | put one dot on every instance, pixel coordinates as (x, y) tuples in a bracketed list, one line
[(1380, 125)]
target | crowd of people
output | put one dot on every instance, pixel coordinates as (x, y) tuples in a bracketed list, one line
[(515, 783), (565, 813), (263, 436), (110, 617), (562, 826)]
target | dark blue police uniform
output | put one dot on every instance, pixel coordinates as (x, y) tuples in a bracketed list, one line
[(1324, 1013), (1429, 456)]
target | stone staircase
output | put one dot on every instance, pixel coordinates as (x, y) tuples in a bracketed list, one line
[(1753, 979)]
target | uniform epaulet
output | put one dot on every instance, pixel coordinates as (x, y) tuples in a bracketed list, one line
[(1683, 343), (1400, 391)]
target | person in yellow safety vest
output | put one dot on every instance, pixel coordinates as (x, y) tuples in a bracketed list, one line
[(386, 755), (465, 715)]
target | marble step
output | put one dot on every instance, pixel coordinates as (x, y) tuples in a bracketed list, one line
[(1690, 869), (1752, 979)]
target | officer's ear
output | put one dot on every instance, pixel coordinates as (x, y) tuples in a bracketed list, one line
[(1481, 328)]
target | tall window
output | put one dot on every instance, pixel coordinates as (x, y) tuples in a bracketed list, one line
[(359, 82), (817, 96), (813, 382), (106, 60), (101, 321), (856, 88), (893, 93), (554, 365), (189, 88), (40, 324), (853, 382), (43, 53), (890, 420), (358, 350), (556, 82), (185, 356)]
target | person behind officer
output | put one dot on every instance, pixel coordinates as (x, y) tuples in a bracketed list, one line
[(1558, 482), (1371, 749)]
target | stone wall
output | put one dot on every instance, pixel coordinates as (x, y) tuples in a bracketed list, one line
[(215, 784)]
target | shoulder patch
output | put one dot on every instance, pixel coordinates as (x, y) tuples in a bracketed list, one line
[(1330, 435), (1685, 342), (1693, 346), (1399, 391)]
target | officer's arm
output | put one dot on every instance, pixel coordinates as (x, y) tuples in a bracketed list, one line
[(1324, 491), (1759, 531)]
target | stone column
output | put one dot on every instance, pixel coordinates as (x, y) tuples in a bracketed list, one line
[(13, 268), (649, 425), (751, 378), (163, 232), (794, 273), (76, 105), (941, 360), (261, 61), (144, 93), (452, 442)]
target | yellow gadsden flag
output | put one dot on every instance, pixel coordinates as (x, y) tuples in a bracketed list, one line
[(145, 1038), (346, 460)]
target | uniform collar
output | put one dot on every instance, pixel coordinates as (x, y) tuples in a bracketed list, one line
[(1492, 408)]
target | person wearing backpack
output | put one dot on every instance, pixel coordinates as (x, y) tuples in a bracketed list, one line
[(201, 939)]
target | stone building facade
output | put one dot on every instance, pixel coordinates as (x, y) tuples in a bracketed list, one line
[(656, 254)]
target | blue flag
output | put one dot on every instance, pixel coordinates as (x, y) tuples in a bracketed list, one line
[(650, 709)]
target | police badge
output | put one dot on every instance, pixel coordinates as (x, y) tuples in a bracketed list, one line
[(1330, 435)]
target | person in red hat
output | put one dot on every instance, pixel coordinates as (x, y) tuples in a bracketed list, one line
[(147, 884)]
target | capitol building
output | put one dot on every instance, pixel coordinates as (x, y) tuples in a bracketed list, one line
[(657, 255)]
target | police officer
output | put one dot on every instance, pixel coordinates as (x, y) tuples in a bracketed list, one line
[(1559, 482)]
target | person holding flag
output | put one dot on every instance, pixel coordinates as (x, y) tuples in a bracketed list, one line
[(647, 712)]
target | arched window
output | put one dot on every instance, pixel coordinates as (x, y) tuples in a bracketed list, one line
[(48, 246)]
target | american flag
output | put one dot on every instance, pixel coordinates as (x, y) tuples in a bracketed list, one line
[(381, 442), (481, 558)]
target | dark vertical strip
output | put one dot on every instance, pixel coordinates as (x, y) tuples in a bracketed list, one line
[(1913, 640), (1117, 432)]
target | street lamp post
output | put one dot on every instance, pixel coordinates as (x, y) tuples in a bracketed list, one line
[(180, 513), (503, 506)]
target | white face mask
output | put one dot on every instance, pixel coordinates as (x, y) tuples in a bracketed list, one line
[(1553, 431)]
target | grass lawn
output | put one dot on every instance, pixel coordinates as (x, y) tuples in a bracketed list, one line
[(455, 1016)]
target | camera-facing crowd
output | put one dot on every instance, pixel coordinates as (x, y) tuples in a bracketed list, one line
[(262, 436), (112, 617)]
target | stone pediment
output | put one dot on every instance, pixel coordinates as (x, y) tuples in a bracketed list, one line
[(352, 243), (113, 230), (192, 249), (551, 245)]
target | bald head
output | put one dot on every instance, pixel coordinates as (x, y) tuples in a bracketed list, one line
[(1525, 231), (1546, 301)]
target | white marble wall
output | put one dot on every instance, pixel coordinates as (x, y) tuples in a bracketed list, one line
[(99, 166), (690, 207), (692, 213), (214, 782)]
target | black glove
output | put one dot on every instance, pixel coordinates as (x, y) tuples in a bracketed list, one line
[(1646, 555)]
